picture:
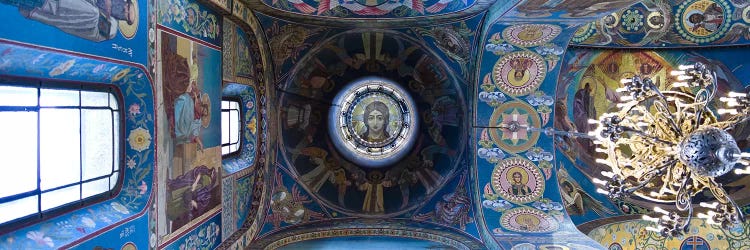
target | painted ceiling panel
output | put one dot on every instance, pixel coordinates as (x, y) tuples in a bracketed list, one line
[(670, 23), (587, 90), (371, 8), (440, 103)]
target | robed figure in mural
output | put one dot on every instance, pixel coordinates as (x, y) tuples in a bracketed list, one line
[(192, 184), (95, 20), (518, 185)]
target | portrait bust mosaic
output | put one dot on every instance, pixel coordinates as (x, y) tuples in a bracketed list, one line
[(373, 122)]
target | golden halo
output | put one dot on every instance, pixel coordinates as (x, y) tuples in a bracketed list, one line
[(518, 83), (128, 30)]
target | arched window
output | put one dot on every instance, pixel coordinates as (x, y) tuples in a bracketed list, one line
[(230, 126), (60, 145)]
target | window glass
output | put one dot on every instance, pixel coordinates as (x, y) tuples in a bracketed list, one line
[(61, 147), (230, 126)]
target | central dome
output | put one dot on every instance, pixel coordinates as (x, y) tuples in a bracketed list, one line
[(373, 122)]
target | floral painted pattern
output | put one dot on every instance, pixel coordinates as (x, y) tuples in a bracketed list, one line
[(191, 18), (250, 133), (206, 236), (137, 94)]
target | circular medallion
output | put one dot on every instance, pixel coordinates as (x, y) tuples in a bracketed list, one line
[(615, 246), (373, 122), (611, 20), (519, 73), (584, 32), (695, 243), (530, 35), (655, 20), (512, 120), (518, 180), (632, 20), (528, 220), (703, 21)]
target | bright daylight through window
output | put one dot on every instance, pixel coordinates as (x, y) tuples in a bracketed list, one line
[(230, 127), (60, 146)]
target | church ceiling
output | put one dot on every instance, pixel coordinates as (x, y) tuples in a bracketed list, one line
[(587, 90), (309, 153), (669, 23)]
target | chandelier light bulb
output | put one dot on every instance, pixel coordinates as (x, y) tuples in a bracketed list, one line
[(649, 218), (600, 181), (727, 111), (709, 205), (735, 94), (670, 145), (679, 84), (686, 67), (742, 171), (684, 77)]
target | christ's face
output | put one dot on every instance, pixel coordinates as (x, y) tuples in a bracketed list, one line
[(375, 121)]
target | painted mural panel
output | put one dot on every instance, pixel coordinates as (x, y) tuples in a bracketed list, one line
[(700, 236), (109, 215), (587, 90), (456, 42), (288, 42), (206, 236), (114, 28), (290, 204), (452, 206), (371, 8), (365, 243), (570, 9), (665, 23), (191, 18), (519, 66), (191, 76), (358, 189)]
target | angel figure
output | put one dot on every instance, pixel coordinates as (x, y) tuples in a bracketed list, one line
[(576, 200)]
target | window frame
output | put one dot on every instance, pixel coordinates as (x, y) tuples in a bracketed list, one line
[(240, 131), (60, 84)]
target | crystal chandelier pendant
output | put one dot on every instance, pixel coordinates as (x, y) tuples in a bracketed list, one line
[(667, 145)]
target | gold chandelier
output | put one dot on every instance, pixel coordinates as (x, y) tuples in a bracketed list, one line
[(667, 145)]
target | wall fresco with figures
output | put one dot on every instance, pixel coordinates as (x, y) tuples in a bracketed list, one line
[(191, 95), (371, 8), (669, 23), (118, 45), (78, 26), (487, 170), (587, 90), (111, 218), (342, 185), (513, 107), (521, 56), (288, 42), (632, 234)]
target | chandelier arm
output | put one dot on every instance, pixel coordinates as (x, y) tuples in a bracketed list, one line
[(644, 135), (651, 174), (664, 110), (730, 125)]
